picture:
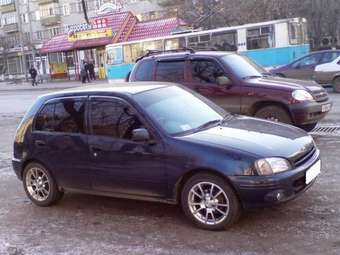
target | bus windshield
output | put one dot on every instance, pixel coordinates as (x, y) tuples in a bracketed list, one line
[(243, 67)]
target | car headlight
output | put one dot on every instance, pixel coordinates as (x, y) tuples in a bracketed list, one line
[(268, 166), (302, 95)]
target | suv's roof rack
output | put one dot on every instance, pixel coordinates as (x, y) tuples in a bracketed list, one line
[(157, 52)]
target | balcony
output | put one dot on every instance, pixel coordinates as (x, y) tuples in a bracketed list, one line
[(41, 2), (51, 20), (11, 28), (7, 8)]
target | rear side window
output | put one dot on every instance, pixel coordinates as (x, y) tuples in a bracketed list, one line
[(144, 71), (172, 71), (65, 116), (44, 121)]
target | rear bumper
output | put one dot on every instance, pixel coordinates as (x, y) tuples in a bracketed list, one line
[(17, 167), (267, 191), (309, 112)]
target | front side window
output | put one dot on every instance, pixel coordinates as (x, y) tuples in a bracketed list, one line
[(307, 61), (113, 118), (66, 116), (328, 57), (205, 71), (172, 71), (188, 111)]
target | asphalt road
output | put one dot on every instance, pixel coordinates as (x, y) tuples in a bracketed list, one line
[(83, 224)]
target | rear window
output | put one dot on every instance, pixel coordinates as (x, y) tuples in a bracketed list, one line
[(66, 116), (172, 71), (144, 71)]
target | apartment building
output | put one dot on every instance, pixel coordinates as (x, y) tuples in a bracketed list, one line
[(27, 24)]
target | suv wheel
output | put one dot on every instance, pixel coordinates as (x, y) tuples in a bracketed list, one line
[(40, 186), (336, 84), (274, 113), (209, 202)]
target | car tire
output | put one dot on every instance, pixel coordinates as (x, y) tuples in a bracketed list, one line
[(274, 113), (217, 209), (308, 127), (336, 85), (40, 186)]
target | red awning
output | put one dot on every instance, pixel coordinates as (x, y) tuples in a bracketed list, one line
[(57, 44), (60, 43), (154, 28)]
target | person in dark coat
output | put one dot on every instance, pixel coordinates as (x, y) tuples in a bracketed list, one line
[(83, 72), (91, 71), (33, 72), (86, 66)]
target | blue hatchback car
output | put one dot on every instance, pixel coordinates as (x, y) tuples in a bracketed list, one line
[(160, 142)]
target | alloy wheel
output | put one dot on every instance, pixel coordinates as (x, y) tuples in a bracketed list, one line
[(38, 184)]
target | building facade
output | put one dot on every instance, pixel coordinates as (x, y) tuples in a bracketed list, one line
[(27, 24)]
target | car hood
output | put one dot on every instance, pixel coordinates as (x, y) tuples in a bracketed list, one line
[(285, 83), (260, 138)]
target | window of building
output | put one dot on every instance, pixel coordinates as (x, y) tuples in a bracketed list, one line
[(260, 37), (37, 15), (145, 71), (113, 118), (172, 71), (66, 9), (14, 65), (49, 10), (24, 18), (9, 18), (114, 55), (5, 2), (205, 71)]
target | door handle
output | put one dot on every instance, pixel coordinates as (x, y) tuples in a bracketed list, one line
[(95, 150), (40, 143)]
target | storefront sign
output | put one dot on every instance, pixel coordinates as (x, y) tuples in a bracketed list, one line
[(90, 34)]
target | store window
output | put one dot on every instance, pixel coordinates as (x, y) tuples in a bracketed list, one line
[(260, 38), (114, 56)]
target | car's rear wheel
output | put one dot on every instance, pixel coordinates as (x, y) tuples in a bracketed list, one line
[(274, 113), (209, 202), (40, 186), (336, 85)]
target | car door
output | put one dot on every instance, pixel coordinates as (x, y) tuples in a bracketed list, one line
[(203, 78), (329, 65), (119, 164), (60, 141), (304, 68)]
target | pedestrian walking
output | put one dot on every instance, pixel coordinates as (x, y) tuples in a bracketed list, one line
[(33, 72), (83, 72), (91, 70), (86, 66)]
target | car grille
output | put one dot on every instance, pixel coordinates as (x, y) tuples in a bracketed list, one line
[(320, 96), (305, 157)]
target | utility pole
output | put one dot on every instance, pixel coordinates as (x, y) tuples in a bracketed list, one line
[(21, 40)]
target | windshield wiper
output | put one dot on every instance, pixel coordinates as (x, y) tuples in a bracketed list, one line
[(252, 77), (225, 118), (208, 124)]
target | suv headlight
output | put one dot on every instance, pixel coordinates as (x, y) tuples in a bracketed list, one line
[(302, 95), (268, 166)]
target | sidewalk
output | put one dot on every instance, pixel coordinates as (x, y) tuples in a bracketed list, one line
[(51, 85)]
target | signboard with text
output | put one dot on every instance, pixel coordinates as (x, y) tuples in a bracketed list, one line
[(90, 34)]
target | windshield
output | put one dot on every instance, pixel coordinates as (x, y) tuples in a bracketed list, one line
[(176, 110), (243, 67)]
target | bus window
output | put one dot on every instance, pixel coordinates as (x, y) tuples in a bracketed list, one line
[(172, 44), (260, 38), (132, 52), (152, 45), (114, 56), (297, 33), (224, 41), (192, 41)]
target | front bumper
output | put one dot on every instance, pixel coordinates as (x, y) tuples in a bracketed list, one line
[(309, 112), (266, 191)]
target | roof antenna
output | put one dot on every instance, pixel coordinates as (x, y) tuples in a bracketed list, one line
[(85, 11)]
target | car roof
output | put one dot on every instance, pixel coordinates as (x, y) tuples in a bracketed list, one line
[(323, 51), (165, 55), (119, 88)]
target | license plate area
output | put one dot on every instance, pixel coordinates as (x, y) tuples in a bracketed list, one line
[(313, 172), (325, 107)]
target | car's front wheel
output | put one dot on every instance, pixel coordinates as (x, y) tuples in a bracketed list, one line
[(274, 113), (209, 202), (40, 186)]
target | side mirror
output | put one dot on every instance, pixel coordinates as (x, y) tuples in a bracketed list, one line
[(224, 81), (140, 135)]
